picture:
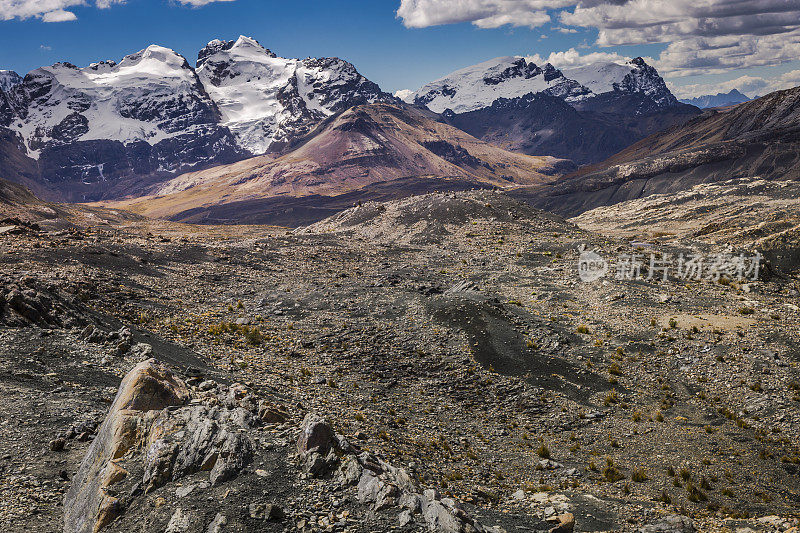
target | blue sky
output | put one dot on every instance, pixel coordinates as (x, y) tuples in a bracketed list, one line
[(366, 32)]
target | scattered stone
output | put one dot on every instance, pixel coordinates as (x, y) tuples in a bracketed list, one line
[(669, 524)]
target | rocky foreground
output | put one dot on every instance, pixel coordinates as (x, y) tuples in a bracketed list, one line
[(433, 363)]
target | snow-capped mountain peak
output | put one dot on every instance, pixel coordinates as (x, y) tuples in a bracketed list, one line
[(480, 85), (245, 79), (265, 99), (242, 49), (148, 96), (598, 77), (644, 79)]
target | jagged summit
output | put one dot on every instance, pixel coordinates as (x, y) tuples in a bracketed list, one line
[(267, 100), (644, 79), (8, 79), (240, 47), (732, 97), (478, 86)]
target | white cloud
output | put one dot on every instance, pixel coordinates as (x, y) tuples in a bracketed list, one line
[(59, 15), (481, 13), (720, 54), (656, 21), (198, 3), (749, 85), (702, 36), (573, 58), (58, 10), (24, 9)]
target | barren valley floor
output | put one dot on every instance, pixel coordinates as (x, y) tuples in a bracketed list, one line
[(447, 334)]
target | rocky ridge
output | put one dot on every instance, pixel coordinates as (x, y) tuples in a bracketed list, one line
[(584, 114), (396, 149), (478, 86), (756, 138)]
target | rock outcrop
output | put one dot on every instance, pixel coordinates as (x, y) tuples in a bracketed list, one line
[(148, 388), (160, 430)]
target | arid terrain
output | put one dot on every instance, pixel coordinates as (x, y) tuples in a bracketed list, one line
[(447, 335)]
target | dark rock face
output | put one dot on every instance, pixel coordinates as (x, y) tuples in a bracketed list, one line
[(315, 434), (71, 128), (14, 164), (644, 80), (94, 170), (9, 79), (348, 89), (586, 132), (452, 154), (6, 111), (520, 69)]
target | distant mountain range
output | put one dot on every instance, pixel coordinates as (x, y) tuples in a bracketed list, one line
[(717, 100), (249, 136), (479, 86), (115, 130)]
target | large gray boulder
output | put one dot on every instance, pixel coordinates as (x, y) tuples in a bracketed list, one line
[(148, 387)]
